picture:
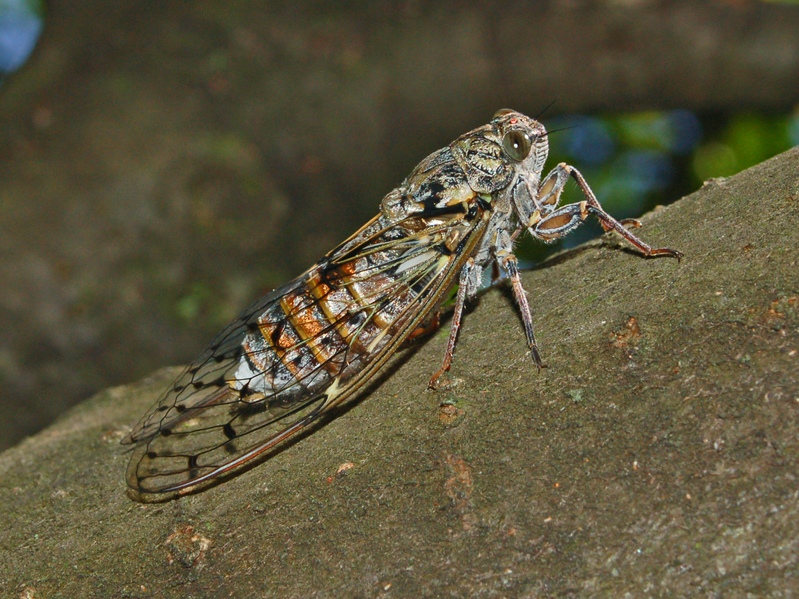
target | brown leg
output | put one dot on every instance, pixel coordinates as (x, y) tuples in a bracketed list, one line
[(563, 220), (511, 266), (460, 302)]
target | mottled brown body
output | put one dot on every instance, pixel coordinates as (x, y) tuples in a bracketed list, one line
[(314, 342)]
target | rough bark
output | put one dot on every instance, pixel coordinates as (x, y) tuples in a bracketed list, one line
[(163, 163), (657, 454)]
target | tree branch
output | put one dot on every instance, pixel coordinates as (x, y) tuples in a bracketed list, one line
[(657, 450)]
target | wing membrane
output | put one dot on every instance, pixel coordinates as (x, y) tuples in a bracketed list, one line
[(220, 413)]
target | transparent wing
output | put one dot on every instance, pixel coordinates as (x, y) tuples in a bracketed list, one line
[(217, 416), (199, 386)]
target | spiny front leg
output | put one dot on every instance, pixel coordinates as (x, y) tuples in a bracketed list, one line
[(550, 224)]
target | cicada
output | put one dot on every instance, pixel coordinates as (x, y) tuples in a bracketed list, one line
[(309, 345)]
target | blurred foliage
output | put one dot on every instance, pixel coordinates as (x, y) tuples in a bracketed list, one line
[(637, 161)]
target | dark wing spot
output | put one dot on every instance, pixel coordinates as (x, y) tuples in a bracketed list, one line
[(192, 462), (151, 455), (218, 382), (251, 409), (180, 408), (165, 432), (229, 431)]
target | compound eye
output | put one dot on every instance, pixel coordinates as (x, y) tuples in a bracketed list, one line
[(517, 145)]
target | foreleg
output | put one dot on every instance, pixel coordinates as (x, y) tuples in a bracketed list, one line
[(551, 223)]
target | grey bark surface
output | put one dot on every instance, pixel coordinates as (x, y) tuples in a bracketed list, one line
[(162, 163), (657, 454)]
